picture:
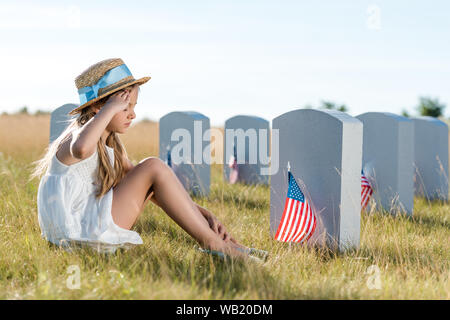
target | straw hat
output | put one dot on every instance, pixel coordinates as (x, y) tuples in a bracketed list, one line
[(103, 79)]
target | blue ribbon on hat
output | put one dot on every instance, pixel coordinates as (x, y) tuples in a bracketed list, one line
[(112, 76)]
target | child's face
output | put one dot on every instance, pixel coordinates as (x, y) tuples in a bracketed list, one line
[(122, 120)]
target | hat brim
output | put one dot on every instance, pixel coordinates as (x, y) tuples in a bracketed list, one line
[(87, 104)]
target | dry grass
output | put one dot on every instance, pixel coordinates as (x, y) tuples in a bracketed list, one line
[(24, 137), (411, 254)]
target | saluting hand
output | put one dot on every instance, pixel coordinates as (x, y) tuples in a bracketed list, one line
[(118, 101)]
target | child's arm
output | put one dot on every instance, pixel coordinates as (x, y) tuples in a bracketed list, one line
[(128, 165), (86, 140), (215, 224)]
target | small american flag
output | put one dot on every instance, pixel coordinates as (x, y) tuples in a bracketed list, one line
[(169, 157), (366, 191), (298, 221), (232, 164)]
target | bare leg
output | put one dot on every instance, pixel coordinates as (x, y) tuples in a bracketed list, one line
[(152, 174)]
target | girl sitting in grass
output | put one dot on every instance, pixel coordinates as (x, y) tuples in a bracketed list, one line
[(92, 194)]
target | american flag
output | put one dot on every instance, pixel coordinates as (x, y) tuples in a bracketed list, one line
[(298, 221), (232, 164), (169, 158), (366, 191)]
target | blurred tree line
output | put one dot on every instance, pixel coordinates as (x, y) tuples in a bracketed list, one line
[(428, 107), (330, 106), (24, 110)]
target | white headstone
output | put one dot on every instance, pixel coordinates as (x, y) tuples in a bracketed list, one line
[(388, 155), (59, 120), (251, 137), (431, 158), (186, 137), (324, 149)]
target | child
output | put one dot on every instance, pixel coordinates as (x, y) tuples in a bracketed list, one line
[(92, 194)]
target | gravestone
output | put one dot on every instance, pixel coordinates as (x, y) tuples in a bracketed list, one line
[(184, 143), (59, 120), (250, 136), (388, 155), (431, 158), (324, 149)]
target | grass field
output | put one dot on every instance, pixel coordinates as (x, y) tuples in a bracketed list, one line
[(399, 257)]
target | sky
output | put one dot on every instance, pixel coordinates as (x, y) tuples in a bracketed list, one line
[(224, 58)]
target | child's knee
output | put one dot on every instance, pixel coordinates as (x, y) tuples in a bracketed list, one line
[(151, 162), (156, 166)]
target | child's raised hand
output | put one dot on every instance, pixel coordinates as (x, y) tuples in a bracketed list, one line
[(118, 101)]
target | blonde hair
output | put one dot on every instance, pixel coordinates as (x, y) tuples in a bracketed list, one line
[(108, 176)]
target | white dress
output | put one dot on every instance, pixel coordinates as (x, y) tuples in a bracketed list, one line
[(69, 213)]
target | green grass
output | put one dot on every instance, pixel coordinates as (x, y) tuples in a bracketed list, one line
[(412, 254)]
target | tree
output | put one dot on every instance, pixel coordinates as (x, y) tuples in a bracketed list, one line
[(24, 110), (430, 107), (333, 106), (405, 113), (41, 112)]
